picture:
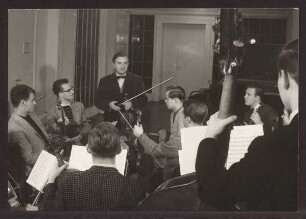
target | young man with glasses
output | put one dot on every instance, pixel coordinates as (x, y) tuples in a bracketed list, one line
[(69, 112)]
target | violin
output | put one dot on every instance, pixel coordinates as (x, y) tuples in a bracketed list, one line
[(126, 119)]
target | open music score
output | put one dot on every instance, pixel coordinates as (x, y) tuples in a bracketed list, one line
[(41, 170), (240, 139), (80, 159)]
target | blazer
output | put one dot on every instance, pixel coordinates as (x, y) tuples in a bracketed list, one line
[(266, 179), (24, 140), (169, 149), (77, 108), (108, 91), (97, 189)]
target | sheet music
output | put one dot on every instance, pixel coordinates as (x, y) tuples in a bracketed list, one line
[(190, 138), (41, 170), (240, 139), (82, 160)]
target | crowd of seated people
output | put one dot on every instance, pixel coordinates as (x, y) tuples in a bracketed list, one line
[(257, 179)]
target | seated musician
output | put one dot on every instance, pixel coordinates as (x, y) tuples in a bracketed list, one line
[(259, 112), (26, 135), (166, 153), (68, 112), (266, 179), (102, 187), (114, 88)]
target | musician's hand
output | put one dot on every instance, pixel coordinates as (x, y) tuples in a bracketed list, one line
[(76, 140), (286, 117), (138, 130), (59, 120), (56, 171), (215, 126), (113, 106), (128, 105), (256, 118)]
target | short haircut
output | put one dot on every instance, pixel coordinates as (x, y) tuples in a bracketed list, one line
[(259, 90), (20, 92), (117, 55), (104, 140), (57, 85), (176, 92), (196, 110), (288, 60)]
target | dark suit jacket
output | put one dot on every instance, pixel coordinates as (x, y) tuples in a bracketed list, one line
[(96, 189), (268, 116), (266, 178), (108, 91)]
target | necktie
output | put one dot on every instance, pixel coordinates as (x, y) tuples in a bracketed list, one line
[(120, 77)]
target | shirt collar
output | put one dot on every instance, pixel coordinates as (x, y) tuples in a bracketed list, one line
[(292, 114), (120, 75), (257, 106), (104, 165), (68, 104)]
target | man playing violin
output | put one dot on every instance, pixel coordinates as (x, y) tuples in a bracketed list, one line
[(68, 112), (166, 152), (113, 89)]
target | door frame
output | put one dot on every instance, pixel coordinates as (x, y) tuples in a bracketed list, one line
[(160, 20)]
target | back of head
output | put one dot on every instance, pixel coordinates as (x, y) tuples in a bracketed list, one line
[(288, 60), (57, 85), (196, 110), (20, 92), (176, 92), (104, 140)]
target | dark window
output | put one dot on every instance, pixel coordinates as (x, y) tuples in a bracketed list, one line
[(141, 44), (86, 59), (259, 60)]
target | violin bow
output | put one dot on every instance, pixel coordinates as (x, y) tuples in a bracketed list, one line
[(147, 90)]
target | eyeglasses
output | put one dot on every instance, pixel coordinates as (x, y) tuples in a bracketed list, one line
[(70, 89)]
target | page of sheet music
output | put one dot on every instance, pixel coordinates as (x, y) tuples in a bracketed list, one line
[(190, 138), (41, 170), (82, 160), (240, 139)]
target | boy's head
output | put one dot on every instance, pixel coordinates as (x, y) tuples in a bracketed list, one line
[(104, 141), (62, 89), (120, 63), (23, 98), (175, 96), (195, 113), (288, 74)]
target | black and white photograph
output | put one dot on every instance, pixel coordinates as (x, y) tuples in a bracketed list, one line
[(153, 110)]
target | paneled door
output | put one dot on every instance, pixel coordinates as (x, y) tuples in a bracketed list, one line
[(183, 52)]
